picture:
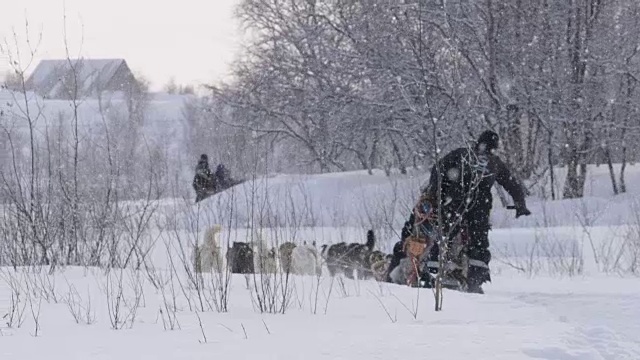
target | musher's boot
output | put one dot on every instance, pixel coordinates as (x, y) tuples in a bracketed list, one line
[(475, 288), (478, 274)]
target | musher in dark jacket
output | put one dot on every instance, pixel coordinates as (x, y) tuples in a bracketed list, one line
[(204, 180), (467, 176)]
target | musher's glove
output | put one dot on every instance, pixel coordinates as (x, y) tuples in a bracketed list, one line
[(522, 210)]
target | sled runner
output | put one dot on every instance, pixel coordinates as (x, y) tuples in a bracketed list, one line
[(204, 193), (456, 263), (201, 195)]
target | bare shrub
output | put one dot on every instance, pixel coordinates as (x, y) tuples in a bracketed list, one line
[(587, 220), (393, 318), (308, 296), (80, 310), (625, 257), (181, 244), (32, 296), (18, 300), (271, 291), (204, 336), (123, 302), (549, 254)]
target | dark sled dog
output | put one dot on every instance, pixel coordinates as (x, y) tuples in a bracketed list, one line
[(347, 258), (240, 258), (379, 264)]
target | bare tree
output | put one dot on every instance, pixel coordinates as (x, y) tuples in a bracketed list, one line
[(342, 85)]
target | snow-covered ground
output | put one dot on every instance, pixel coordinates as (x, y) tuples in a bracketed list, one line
[(518, 318), (563, 285)]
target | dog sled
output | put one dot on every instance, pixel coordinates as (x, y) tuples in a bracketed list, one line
[(206, 192), (419, 269)]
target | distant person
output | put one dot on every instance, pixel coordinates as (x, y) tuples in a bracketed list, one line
[(223, 179), (203, 181)]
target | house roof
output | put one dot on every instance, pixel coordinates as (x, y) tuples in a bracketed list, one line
[(49, 74)]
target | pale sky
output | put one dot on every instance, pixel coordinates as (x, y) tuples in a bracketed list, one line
[(191, 40)]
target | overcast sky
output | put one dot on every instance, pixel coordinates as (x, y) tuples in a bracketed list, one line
[(192, 40)]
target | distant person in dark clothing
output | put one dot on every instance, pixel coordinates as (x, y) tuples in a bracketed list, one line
[(467, 176), (222, 177), (203, 181), (206, 183)]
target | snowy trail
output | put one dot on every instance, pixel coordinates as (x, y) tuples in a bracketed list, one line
[(605, 314)]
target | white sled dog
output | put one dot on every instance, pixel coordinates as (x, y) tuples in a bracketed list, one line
[(264, 259), (207, 255), (305, 260)]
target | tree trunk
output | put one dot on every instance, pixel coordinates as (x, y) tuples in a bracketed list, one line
[(551, 172), (401, 163), (572, 182), (623, 185), (363, 161), (627, 115), (612, 173), (324, 166), (373, 156), (582, 179), (577, 136), (387, 169), (513, 145)]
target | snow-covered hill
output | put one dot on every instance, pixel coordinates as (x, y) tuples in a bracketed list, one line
[(358, 199)]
